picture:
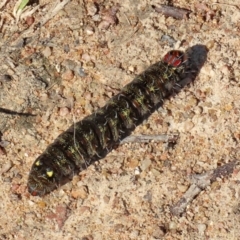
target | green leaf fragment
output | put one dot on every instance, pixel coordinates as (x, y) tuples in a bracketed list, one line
[(23, 4)]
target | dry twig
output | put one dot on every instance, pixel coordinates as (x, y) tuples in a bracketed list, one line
[(31, 31), (199, 183), (169, 11), (148, 138), (227, 4), (10, 112), (52, 12)]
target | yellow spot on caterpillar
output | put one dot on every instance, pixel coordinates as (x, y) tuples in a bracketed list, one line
[(37, 163), (49, 173)]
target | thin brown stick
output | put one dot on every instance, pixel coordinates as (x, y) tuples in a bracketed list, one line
[(148, 138), (11, 112), (58, 6), (227, 4), (199, 183), (170, 11)]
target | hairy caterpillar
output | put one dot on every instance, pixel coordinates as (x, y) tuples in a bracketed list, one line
[(94, 136)]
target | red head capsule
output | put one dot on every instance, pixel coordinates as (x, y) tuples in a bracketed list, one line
[(174, 58)]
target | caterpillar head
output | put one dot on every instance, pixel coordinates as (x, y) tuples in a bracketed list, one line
[(175, 58)]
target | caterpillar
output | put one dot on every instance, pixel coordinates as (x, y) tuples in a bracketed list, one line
[(94, 136)]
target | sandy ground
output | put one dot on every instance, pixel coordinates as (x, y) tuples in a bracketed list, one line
[(71, 65)]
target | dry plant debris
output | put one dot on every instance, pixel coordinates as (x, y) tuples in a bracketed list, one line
[(199, 183), (171, 11)]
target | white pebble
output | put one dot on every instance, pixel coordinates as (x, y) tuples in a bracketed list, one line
[(6, 167), (201, 228), (145, 164), (64, 111)]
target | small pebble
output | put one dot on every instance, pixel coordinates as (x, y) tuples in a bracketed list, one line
[(66, 48), (155, 172), (42, 204), (145, 164), (137, 171), (84, 209), (96, 18), (133, 162), (225, 70), (170, 40), (4, 143), (91, 9), (201, 228), (198, 110), (134, 234), (80, 71), (148, 196), (106, 199), (104, 25), (89, 237), (68, 75), (5, 78), (188, 125), (43, 97), (47, 52), (6, 166), (86, 57), (172, 225), (158, 233), (90, 64), (64, 111), (30, 20), (89, 30), (182, 188), (81, 192), (210, 44), (131, 68)]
